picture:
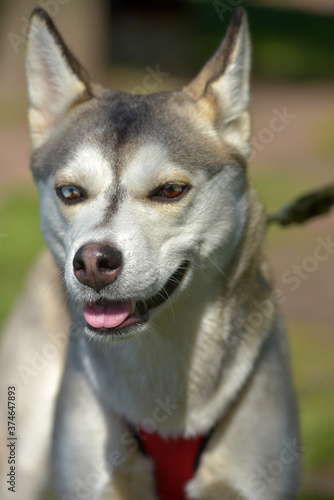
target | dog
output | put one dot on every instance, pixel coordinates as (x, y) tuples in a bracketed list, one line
[(175, 380)]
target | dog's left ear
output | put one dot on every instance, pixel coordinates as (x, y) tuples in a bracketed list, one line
[(56, 81), (222, 86)]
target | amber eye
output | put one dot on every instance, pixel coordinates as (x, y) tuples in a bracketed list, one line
[(70, 194), (170, 192)]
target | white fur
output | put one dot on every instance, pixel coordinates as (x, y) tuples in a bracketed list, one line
[(232, 87), (74, 225), (89, 169), (180, 371), (52, 85)]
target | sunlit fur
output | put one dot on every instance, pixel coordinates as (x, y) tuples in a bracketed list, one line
[(197, 351)]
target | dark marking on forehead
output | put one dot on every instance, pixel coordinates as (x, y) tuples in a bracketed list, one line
[(118, 124), (113, 198), (124, 120), (109, 121), (170, 119)]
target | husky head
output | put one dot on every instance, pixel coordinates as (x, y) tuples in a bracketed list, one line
[(141, 197)]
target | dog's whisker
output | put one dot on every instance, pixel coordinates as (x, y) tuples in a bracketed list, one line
[(217, 267), (170, 303)]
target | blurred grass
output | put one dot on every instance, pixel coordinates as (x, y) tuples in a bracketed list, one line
[(19, 221), (314, 374), (277, 187)]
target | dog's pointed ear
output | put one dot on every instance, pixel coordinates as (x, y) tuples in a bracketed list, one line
[(223, 83), (56, 80)]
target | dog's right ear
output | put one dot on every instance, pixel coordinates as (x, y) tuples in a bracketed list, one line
[(56, 80), (221, 89)]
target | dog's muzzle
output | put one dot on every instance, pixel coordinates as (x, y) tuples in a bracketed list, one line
[(97, 266)]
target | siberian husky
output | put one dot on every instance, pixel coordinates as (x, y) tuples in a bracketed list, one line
[(175, 382)]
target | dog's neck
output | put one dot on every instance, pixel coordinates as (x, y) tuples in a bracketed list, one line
[(180, 362)]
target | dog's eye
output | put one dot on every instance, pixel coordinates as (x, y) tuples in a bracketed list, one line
[(70, 194), (170, 192)]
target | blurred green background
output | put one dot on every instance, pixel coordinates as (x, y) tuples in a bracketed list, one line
[(293, 69)]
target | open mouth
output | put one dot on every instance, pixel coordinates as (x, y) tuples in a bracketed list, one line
[(106, 317)]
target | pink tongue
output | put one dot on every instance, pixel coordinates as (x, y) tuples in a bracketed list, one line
[(107, 315)]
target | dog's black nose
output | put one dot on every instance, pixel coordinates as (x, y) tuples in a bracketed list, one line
[(97, 265)]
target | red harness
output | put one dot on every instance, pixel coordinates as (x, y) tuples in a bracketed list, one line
[(175, 461)]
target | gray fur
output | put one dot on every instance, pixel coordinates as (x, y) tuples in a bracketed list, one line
[(215, 353)]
